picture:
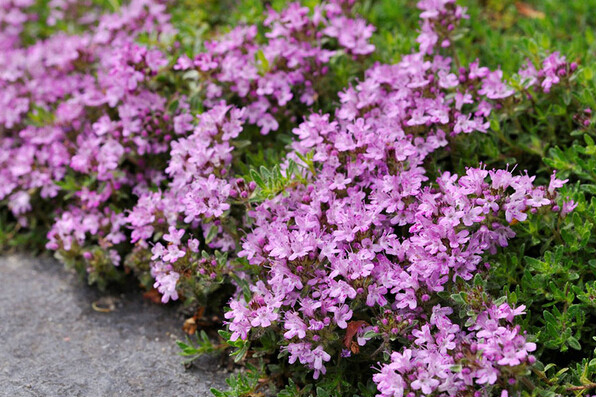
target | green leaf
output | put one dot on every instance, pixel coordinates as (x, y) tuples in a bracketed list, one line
[(322, 392), (211, 234), (262, 62), (370, 334), (217, 393), (458, 298), (549, 318), (257, 178), (573, 343), (494, 124)]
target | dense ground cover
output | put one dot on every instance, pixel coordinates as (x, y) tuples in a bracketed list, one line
[(385, 198)]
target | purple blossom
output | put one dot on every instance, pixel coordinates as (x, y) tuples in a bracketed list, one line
[(335, 231), (363, 224), (166, 285)]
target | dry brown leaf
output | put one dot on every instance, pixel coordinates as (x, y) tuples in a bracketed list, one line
[(527, 11), (353, 327), (153, 295), (354, 348), (200, 312), (190, 326)]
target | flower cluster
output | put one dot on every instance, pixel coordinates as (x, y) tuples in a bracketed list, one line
[(56, 109), (363, 242), (266, 77), (199, 191), (370, 233), (201, 184), (13, 16), (88, 127), (554, 67), (440, 346)]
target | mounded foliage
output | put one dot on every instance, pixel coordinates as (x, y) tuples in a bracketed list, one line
[(348, 196)]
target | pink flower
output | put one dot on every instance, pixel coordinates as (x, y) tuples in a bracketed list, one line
[(166, 285)]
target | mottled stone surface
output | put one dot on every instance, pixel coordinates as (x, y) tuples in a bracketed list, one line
[(53, 343)]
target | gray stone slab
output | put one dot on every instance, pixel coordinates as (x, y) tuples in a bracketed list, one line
[(52, 342)]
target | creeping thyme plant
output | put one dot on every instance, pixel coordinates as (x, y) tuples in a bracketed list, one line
[(375, 206)]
